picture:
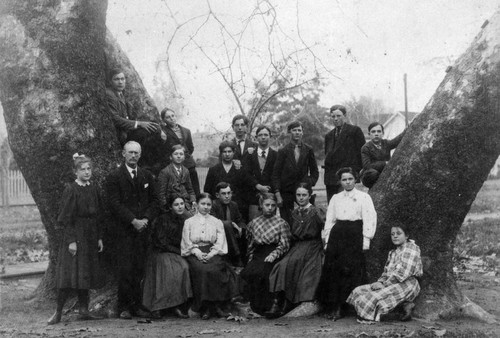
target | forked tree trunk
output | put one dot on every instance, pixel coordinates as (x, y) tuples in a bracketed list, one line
[(438, 169)]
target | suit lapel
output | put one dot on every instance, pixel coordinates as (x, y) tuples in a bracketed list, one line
[(127, 174)]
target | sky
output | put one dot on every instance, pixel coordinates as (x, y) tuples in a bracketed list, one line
[(367, 46)]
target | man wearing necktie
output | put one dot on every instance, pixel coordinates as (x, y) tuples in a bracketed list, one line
[(260, 166), (342, 148), (244, 145), (295, 163), (227, 211), (134, 204)]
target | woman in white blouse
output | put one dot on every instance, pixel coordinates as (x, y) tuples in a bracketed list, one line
[(350, 225), (203, 245)]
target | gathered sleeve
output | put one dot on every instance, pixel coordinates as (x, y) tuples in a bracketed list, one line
[(67, 214), (187, 245), (369, 216), (220, 245), (403, 265), (284, 241), (330, 220), (250, 241)]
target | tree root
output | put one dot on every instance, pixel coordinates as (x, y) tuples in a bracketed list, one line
[(472, 310)]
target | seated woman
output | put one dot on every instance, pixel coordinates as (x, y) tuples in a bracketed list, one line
[(397, 284), (174, 179), (268, 239), (167, 283), (350, 225), (376, 153), (204, 245), (297, 275)]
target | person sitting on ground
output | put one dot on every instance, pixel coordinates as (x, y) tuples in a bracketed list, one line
[(296, 276), (227, 211), (268, 239), (174, 179), (376, 153), (78, 262), (167, 284), (204, 245), (397, 285)]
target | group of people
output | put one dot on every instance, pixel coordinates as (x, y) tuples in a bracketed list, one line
[(181, 248)]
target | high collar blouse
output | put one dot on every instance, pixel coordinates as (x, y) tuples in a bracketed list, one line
[(351, 206), (201, 230)]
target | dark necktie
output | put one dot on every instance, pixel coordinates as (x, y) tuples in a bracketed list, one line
[(263, 154), (134, 176)]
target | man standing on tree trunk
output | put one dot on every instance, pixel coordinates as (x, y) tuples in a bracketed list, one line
[(342, 149), (134, 204)]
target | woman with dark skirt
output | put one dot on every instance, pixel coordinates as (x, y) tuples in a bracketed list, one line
[(167, 283), (350, 225), (376, 153), (204, 245), (78, 260), (298, 273), (268, 239)]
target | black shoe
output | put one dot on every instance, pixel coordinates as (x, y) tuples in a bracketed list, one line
[(220, 312), (287, 306), (337, 314), (125, 315), (56, 318), (142, 314), (407, 310), (205, 315), (274, 311), (156, 314), (178, 312)]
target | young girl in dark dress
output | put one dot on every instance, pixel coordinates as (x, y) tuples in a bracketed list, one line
[(78, 262)]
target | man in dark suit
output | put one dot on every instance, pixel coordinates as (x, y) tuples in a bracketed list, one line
[(227, 211), (260, 167), (124, 117), (227, 171), (177, 134), (244, 145), (295, 163), (342, 148), (134, 204)]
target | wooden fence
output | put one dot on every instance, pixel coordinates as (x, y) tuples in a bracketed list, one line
[(15, 191)]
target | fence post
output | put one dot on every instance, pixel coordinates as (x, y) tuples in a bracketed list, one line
[(4, 185)]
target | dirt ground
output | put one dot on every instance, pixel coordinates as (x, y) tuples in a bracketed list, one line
[(24, 318)]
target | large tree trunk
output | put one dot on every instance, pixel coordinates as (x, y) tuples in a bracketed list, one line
[(53, 59), (438, 169)]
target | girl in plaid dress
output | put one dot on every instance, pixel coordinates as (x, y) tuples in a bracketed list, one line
[(268, 239), (397, 284)]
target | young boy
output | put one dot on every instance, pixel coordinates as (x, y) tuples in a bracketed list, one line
[(227, 211)]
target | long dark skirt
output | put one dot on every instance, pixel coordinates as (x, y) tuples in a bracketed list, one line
[(256, 274), (167, 283), (299, 272), (212, 281), (344, 268), (81, 271)]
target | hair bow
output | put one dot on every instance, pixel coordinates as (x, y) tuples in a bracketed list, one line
[(76, 155)]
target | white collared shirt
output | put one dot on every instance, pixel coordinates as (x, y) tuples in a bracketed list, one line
[(130, 171), (259, 152), (351, 206)]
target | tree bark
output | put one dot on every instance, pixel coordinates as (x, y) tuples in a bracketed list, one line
[(438, 169), (54, 57)]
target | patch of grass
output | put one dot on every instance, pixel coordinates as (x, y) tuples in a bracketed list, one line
[(23, 247), (479, 238)]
